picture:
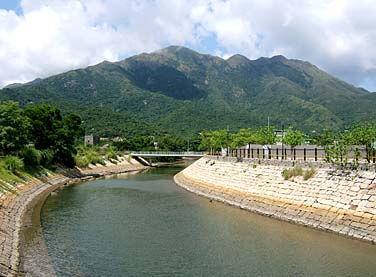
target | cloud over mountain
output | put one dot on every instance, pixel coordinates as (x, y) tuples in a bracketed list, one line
[(52, 36)]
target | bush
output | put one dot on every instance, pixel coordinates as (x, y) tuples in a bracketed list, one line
[(111, 154), (298, 171), (46, 157), (309, 173), (31, 157), (13, 163), (82, 161), (93, 157)]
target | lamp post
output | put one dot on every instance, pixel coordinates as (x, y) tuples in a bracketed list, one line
[(283, 134)]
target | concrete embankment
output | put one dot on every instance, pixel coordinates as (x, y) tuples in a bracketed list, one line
[(15, 208), (339, 201)]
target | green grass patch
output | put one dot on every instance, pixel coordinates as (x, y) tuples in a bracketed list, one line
[(298, 171), (86, 156)]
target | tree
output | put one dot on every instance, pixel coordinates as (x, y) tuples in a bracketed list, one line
[(14, 128), (51, 131), (265, 135), (294, 138), (73, 124), (215, 140), (138, 143), (207, 141), (46, 120), (172, 143), (362, 135), (325, 138), (244, 137)]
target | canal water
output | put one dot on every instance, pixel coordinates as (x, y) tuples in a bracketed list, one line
[(144, 225)]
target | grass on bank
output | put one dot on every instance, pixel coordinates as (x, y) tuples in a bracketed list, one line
[(298, 171), (94, 155), (9, 176), (13, 171)]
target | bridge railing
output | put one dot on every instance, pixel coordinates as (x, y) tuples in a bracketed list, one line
[(163, 153)]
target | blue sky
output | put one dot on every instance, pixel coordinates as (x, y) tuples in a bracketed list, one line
[(10, 5), (39, 38)]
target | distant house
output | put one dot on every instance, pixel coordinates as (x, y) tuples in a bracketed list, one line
[(91, 140), (117, 139)]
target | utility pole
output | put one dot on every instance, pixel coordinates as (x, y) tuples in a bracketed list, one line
[(269, 131)]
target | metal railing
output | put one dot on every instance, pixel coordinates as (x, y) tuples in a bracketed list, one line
[(167, 154), (301, 153)]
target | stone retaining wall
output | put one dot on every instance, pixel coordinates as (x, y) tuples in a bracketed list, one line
[(13, 208), (339, 201)]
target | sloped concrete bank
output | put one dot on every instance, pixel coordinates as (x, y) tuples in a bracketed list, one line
[(15, 210), (343, 202)]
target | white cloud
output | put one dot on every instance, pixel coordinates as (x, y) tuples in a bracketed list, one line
[(52, 36), (58, 35)]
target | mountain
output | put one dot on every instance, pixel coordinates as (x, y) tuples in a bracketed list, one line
[(184, 92)]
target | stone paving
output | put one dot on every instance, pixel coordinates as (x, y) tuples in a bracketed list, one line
[(343, 202), (14, 207)]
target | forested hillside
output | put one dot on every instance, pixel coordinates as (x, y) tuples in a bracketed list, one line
[(179, 91)]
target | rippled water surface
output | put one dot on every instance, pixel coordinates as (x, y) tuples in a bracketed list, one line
[(144, 225)]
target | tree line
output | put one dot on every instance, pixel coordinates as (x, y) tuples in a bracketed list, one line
[(38, 135), (337, 145)]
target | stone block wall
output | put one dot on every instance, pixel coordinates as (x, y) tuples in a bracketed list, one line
[(339, 201)]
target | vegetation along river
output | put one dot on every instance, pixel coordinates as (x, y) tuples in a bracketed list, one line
[(145, 225)]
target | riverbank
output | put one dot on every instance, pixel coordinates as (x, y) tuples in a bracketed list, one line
[(343, 202), (16, 209)]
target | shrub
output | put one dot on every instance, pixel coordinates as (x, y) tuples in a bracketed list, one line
[(82, 161), (286, 174), (13, 163), (292, 172), (309, 173), (111, 154), (46, 157), (93, 157), (31, 157), (298, 171)]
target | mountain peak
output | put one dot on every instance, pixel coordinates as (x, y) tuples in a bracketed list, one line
[(237, 60), (175, 49), (279, 58)]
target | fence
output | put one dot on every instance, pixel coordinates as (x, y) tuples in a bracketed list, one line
[(306, 153)]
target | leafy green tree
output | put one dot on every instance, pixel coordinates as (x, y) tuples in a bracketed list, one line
[(51, 131), (265, 135), (14, 128), (172, 143), (362, 135), (337, 153), (138, 143), (46, 120), (293, 138), (215, 140), (31, 157), (244, 137), (73, 124), (207, 141), (325, 138)]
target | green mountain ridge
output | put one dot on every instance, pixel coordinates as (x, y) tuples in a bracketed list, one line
[(183, 92)]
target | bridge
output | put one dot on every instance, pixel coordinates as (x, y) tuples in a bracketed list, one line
[(142, 155), (153, 154)]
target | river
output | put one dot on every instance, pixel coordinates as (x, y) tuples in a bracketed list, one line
[(145, 225)]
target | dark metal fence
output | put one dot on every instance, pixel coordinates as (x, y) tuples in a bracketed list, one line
[(306, 153)]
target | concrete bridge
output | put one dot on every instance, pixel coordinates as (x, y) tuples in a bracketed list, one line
[(141, 156)]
